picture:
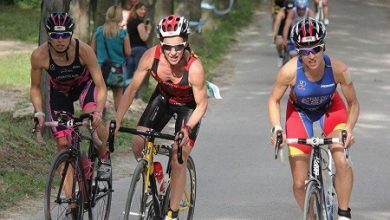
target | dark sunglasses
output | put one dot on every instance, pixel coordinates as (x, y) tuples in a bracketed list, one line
[(177, 47), (312, 50), (58, 35)]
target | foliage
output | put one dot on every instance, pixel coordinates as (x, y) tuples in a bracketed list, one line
[(15, 70), (32, 4), (211, 46), (20, 174), (19, 23)]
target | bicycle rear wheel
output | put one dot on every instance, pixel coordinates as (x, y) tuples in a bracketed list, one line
[(63, 195), (313, 208), (137, 200), (101, 195), (187, 203)]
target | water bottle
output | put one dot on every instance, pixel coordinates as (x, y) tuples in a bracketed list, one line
[(329, 203), (161, 180)]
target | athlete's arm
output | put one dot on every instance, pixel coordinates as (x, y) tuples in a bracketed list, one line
[(287, 25), (284, 79), (278, 20), (145, 64), (35, 74), (93, 43), (343, 77), (127, 46), (198, 82), (89, 58)]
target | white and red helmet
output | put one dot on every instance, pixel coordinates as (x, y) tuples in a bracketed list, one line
[(172, 26), (308, 32)]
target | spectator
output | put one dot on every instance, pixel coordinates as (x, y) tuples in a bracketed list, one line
[(111, 42), (139, 32), (127, 6)]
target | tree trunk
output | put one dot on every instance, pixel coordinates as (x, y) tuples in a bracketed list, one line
[(79, 10)]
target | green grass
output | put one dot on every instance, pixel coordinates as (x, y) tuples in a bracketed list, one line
[(19, 23), (15, 71)]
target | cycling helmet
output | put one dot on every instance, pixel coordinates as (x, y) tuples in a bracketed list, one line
[(172, 26), (59, 22), (301, 3), (289, 4), (308, 32)]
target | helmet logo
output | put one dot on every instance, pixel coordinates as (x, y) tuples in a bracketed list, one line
[(308, 39), (59, 28)]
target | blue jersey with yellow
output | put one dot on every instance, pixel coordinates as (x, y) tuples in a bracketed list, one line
[(312, 96)]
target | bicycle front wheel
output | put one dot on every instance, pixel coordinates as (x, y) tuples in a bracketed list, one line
[(313, 208), (101, 195), (137, 200), (63, 194), (187, 203)]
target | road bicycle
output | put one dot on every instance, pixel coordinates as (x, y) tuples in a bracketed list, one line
[(73, 187), (320, 196), (144, 199)]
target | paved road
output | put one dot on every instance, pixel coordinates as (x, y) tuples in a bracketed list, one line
[(237, 175)]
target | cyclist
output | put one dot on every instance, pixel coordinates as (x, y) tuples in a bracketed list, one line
[(73, 74), (180, 91), (325, 7), (299, 12), (279, 25), (313, 77)]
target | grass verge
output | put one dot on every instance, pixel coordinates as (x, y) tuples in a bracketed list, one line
[(19, 23)]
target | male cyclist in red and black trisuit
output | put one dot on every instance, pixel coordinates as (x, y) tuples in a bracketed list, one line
[(180, 91), (74, 74)]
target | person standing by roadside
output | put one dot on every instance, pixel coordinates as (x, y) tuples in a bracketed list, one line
[(111, 42), (127, 6), (139, 30)]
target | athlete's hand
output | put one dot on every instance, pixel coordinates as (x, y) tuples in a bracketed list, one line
[(186, 137), (349, 140), (274, 138), (97, 119)]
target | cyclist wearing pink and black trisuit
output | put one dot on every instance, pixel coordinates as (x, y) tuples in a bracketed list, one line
[(74, 74), (313, 77), (180, 93)]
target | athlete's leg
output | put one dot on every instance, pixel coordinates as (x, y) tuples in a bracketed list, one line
[(332, 123), (87, 99), (298, 125)]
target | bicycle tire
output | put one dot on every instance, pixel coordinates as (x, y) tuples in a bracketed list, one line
[(187, 203), (136, 201), (101, 195), (57, 205), (313, 202)]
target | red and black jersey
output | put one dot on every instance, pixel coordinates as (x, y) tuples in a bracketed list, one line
[(180, 93)]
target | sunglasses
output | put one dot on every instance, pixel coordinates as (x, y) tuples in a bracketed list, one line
[(58, 35), (308, 51), (177, 47)]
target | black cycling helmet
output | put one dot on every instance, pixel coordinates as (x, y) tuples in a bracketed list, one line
[(308, 32), (59, 22)]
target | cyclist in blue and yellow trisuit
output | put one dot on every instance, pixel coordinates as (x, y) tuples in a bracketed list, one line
[(313, 77)]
